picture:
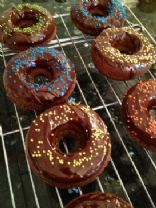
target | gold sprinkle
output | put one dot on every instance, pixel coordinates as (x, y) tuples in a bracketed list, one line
[(61, 161), (51, 158), (38, 130)]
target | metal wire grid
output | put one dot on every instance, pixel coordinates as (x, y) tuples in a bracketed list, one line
[(74, 41)]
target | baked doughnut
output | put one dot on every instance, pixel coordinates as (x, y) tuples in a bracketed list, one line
[(26, 25), (136, 106), (92, 16), (38, 78), (122, 54), (75, 122), (98, 200)]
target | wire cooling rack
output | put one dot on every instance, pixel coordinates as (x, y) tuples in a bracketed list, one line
[(132, 170)]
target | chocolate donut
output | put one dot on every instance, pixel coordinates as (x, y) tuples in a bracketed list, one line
[(136, 108), (98, 200), (38, 78), (75, 122), (92, 16), (122, 54), (26, 25)]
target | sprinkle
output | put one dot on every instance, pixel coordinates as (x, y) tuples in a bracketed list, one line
[(40, 142), (61, 161), (71, 100), (37, 130)]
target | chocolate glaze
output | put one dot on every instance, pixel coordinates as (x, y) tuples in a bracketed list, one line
[(91, 17), (22, 72), (72, 169), (98, 200), (122, 54), (26, 25), (135, 107)]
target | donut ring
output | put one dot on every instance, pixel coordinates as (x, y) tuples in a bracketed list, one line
[(122, 54), (52, 66), (97, 199), (72, 169), (135, 107), (91, 17), (26, 25)]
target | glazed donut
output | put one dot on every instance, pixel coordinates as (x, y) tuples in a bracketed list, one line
[(77, 168), (26, 25), (98, 200), (136, 108), (122, 54), (92, 16), (38, 78)]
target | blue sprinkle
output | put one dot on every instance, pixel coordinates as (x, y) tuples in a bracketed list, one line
[(71, 100), (31, 85), (61, 93), (49, 89), (33, 64)]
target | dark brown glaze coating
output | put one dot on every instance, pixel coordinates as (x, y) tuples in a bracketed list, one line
[(98, 200), (20, 78), (72, 169), (26, 25), (122, 54), (135, 109), (92, 16)]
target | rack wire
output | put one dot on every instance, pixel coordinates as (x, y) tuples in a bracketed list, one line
[(79, 44)]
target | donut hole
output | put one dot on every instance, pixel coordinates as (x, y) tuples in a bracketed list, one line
[(71, 137), (41, 72), (26, 19), (126, 43), (68, 144), (152, 112), (42, 79), (98, 11)]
